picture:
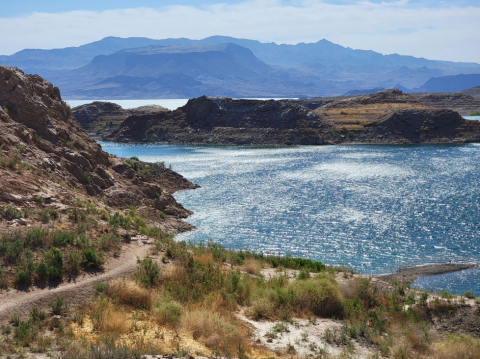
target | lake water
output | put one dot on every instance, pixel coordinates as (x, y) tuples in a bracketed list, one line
[(373, 208), (171, 104)]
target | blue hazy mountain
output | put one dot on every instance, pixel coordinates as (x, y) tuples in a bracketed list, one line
[(310, 69)]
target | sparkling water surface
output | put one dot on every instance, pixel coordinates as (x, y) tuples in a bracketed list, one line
[(374, 208)]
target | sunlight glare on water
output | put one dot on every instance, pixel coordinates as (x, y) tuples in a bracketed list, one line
[(374, 208)]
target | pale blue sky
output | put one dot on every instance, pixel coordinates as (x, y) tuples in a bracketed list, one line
[(25, 7), (442, 30)]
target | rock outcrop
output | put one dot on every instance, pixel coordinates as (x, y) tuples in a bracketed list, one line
[(456, 101), (43, 149), (101, 117), (385, 117)]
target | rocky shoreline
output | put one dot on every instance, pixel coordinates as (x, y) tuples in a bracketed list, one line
[(410, 274)]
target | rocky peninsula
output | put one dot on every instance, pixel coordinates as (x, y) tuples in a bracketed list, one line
[(45, 154), (386, 117)]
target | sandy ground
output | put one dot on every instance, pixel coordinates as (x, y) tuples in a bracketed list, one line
[(303, 338)]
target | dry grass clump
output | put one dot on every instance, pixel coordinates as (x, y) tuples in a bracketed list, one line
[(106, 317), (457, 347), (130, 293), (212, 328), (251, 266)]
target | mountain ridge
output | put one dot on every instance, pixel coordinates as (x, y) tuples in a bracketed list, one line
[(305, 69)]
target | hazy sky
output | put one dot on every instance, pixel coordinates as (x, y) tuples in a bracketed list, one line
[(440, 30)]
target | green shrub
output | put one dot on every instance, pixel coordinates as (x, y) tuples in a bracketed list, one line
[(475, 113), (53, 213), (74, 261), (53, 260), (26, 270), (37, 315), (469, 293), (63, 238), (12, 213), (423, 298), (100, 287), (304, 274), (35, 237), (24, 333), (13, 250), (147, 272), (87, 178), (58, 306), (90, 259), (39, 199), (117, 220), (108, 241), (167, 312), (91, 208), (44, 215), (318, 295)]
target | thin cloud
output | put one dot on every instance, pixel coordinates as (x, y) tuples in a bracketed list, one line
[(445, 33)]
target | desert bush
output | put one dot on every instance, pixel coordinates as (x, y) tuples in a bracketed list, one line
[(206, 325), (37, 315), (252, 266), (11, 212), (108, 318), (167, 312), (318, 295), (147, 272), (58, 306), (108, 241), (61, 239), (90, 259), (24, 333), (44, 215), (51, 267), (35, 237), (74, 259), (130, 293)]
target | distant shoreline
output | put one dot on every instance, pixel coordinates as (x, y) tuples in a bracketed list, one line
[(409, 275)]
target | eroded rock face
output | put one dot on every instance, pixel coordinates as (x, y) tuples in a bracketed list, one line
[(38, 130), (385, 117), (101, 117)]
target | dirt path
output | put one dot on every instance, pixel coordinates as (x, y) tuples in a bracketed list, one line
[(74, 292)]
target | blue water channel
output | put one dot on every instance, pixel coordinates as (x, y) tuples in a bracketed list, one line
[(373, 208)]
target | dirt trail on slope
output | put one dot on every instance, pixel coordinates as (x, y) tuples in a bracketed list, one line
[(74, 292)]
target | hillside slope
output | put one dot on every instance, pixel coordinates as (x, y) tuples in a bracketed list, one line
[(45, 152)]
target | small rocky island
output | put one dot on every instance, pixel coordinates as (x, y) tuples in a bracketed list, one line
[(386, 117)]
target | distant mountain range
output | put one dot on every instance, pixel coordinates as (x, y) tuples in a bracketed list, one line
[(225, 66)]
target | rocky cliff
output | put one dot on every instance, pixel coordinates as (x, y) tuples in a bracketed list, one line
[(45, 153), (384, 117), (100, 117)]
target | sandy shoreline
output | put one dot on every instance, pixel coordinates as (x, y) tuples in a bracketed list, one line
[(409, 275)]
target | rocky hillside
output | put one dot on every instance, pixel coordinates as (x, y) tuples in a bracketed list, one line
[(385, 117), (456, 101), (100, 117), (46, 156)]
